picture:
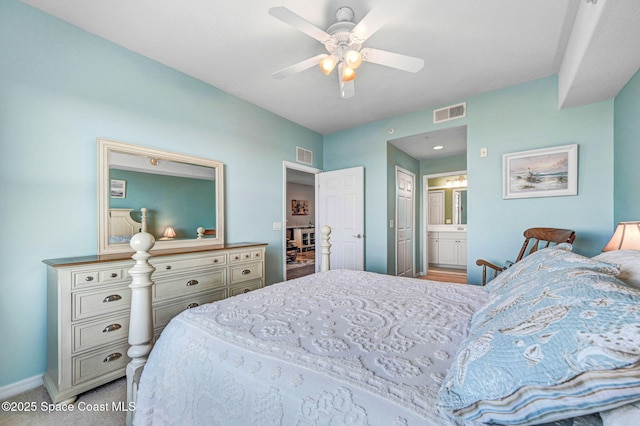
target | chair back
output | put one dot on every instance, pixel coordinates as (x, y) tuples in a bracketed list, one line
[(534, 239), (539, 238)]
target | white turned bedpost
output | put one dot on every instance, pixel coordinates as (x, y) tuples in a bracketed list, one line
[(141, 321), (325, 249)]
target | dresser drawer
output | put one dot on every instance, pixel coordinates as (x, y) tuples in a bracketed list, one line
[(246, 272), (91, 304), (96, 364), (245, 287), (105, 331), (245, 255), (162, 314), (173, 266), (82, 279), (188, 284)]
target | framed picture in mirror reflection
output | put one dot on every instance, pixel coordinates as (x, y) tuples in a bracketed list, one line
[(118, 188)]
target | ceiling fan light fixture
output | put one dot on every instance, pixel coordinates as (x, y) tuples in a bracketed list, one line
[(348, 74), (328, 64), (353, 59)]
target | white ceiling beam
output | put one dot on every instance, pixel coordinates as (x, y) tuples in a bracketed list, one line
[(604, 46)]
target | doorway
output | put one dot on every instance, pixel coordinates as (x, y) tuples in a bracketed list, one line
[(299, 231), (445, 216)]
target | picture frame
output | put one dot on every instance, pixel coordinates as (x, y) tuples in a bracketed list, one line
[(545, 172), (118, 188), (299, 207)]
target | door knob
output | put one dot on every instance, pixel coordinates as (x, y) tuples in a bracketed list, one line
[(358, 235)]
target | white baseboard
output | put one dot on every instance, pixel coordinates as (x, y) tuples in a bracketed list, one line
[(19, 387)]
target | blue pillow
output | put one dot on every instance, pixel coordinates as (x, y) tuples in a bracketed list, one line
[(559, 338)]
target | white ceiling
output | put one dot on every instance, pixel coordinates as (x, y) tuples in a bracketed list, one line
[(469, 47)]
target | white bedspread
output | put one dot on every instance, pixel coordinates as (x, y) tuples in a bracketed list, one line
[(340, 347)]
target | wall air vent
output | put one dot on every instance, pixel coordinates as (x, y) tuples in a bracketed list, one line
[(450, 113), (304, 156)]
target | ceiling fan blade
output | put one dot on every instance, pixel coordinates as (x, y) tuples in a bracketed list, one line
[(377, 18), (299, 67), (393, 60), (288, 17)]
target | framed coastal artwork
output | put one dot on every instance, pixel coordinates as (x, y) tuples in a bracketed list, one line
[(546, 172), (299, 207)]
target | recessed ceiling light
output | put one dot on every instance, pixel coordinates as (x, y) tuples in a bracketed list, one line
[(438, 147)]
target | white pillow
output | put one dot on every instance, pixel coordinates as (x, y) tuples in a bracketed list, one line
[(629, 262)]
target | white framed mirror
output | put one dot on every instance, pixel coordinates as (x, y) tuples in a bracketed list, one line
[(184, 196)]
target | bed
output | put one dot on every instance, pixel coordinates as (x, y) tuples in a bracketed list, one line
[(122, 226), (554, 339)]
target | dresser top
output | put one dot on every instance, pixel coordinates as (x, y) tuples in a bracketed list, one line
[(100, 258)]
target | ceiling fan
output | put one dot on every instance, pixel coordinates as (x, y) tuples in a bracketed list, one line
[(343, 41)]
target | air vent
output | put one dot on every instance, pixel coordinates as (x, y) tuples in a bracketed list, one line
[(304, 156), (450, 113)]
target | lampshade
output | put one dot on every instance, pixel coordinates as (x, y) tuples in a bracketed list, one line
[(169, 232), (353, 59), (348, 74), (626, 237), (328, 64)]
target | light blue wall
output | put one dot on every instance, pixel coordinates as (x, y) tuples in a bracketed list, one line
[(60, 89), (518, 118), (527, 117), (627, 152)]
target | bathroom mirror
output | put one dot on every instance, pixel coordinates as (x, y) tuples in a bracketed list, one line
[(459, 200), (182, 195)]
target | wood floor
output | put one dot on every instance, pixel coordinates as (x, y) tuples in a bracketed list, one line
[(302, 271), (446, 275), (449, 275)]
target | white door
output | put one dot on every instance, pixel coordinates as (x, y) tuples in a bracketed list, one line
[(436, 207), (341, 206), (404, 223)]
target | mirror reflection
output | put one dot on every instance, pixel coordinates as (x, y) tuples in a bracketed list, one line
[(183, 197), (448, 200), (459, 200)]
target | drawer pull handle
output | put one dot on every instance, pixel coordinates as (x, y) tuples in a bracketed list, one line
[(113, 275), (215, 260), (112, 357), (192, 282), (236, 257), (246, 290), (112, 327), (111, 298), (89, 278), (246, 272), (247, 256), (192, 305), (168, 267)]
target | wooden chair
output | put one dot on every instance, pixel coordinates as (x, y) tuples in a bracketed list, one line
[(534, 239)]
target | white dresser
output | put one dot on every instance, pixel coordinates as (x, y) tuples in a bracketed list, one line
[(88, 303)]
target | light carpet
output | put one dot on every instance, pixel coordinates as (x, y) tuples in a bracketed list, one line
[(103, 406)]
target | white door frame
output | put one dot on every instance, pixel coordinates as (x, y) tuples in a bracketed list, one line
[(289, 165), (413, 215), (425, 198)]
